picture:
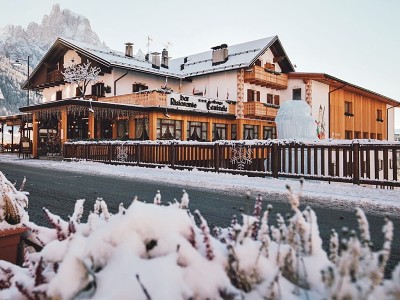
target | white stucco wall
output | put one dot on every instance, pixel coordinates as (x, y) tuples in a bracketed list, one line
[(390, 124), (293, 84), (320, 98), (224, 82), (70, 56)]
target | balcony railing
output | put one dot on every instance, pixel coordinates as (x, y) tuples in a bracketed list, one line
[(54, 76), (268, 78), (152, 98), (259, 110)]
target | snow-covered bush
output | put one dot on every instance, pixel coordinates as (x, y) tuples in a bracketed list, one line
[(161, 251), (13, 203)]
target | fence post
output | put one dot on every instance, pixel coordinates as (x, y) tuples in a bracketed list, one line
[(138, 153), (172, 155), (87, 151), (109, 152), (356, 163), (217, 159), (275, 160)]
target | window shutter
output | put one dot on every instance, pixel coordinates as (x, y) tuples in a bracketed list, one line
[(276, 100), (250, 95), (258, 96)]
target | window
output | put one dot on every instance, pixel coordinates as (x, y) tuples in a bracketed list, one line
[(253, 95), (122, 129), (137, 87), (59, 95), (270, 98), (233, 132), (357, 134), (365, 135), (373, 135), (219, 131), (250, 132), (197, 131), (348, 135), (348, 109), (106, 129), (296, 94), (258, 62), (379, 116), (77, 127), (379, 136), (142, 129), (78, 92), (269, 132), (98, 89), (169, 129)]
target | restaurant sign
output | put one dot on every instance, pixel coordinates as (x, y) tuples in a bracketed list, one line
[(191, 102)]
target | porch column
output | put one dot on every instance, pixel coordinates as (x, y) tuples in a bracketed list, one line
[(35, 137), (2, 134), (12, 138), (240, 129), (114, 129), (91, 126), (98, 129), (132, 128), (184, 129), (64, 126), (152, 126), (209, 131)]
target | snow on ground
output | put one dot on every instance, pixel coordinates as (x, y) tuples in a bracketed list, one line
[(340, 195)]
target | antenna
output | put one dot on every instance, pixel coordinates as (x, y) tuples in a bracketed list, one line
[(149, 40), (167, 45)]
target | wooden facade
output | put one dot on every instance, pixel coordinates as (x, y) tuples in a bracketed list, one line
[(366, 118)]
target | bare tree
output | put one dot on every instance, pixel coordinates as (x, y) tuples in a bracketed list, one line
[(81, 74)]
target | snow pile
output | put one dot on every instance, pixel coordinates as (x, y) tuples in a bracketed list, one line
[(12, 204), (161, 251), (294, 121)]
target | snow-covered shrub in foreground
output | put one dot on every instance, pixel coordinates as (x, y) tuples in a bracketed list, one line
[(12, 204), (153, 251)]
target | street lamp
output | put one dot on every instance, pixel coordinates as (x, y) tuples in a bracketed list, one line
[(18, 63)]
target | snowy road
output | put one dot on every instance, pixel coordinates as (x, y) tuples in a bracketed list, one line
[(56, 186)]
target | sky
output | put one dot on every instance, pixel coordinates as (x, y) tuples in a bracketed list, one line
[(356, 41)]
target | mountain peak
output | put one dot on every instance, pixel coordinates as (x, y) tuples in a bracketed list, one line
[(34, 41)]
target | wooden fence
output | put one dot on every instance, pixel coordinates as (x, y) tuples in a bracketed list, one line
[(352, 162)]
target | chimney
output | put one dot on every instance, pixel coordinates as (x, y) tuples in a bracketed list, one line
[(164, 58), (155, 60), (129, 49), (219, 54)]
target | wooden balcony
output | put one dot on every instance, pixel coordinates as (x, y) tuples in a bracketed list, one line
[(153, 98), (259, 110), (150, 99), (267, 78), (54, 77)]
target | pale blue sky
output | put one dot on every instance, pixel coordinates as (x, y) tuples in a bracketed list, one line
[(354, 40)]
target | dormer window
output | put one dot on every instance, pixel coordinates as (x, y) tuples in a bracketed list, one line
[(137, 87)]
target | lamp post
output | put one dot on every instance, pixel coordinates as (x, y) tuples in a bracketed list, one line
[(18, 63)]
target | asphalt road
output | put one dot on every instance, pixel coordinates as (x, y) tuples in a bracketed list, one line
[(58, 192)]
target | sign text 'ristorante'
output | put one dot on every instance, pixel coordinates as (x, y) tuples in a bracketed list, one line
[(191, 102)]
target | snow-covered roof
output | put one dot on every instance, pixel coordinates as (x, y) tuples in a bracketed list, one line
[(239, 56)]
